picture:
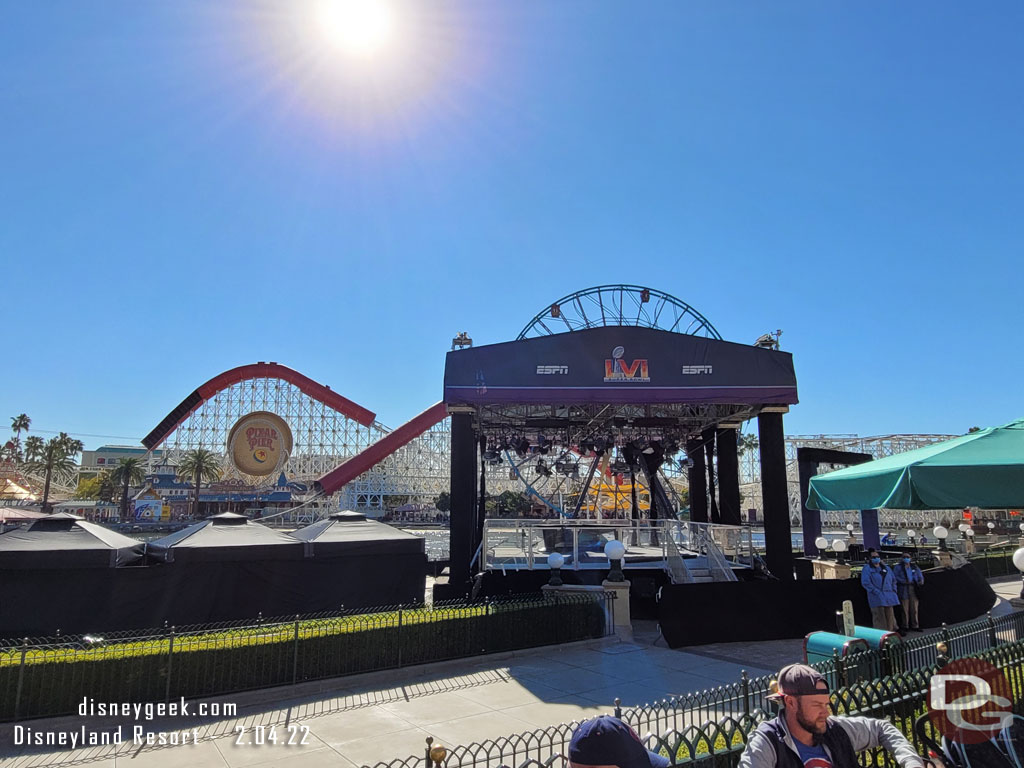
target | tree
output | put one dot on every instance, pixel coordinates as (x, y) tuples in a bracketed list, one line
[(748, 442), (972, 430), (33, 448), (128, 472), (54, 457), (19, 424), (444, 502), (198, 465)]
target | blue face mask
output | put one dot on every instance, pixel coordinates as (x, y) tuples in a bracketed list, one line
[(906, 560), (876, 560)]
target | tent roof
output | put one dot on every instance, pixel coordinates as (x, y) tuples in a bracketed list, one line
[(342, 528), (980, 469), (227, 532), (67, 541)]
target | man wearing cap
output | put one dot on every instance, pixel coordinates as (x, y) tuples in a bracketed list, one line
[(806, 735), (606, 741)]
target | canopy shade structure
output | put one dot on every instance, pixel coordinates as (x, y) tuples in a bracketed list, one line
[(983, 469), (67, 541), (350, 533), (226, 537)]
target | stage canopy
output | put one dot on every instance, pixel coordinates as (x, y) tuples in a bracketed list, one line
[(67, 541), (619, 365), (982, 469)]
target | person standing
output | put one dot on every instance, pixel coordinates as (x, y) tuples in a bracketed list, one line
[(908, 579), (880, 584)]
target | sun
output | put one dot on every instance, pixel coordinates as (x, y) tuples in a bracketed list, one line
[(360, 28)]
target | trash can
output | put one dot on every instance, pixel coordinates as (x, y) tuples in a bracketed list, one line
[(819, 646), (890, 644)]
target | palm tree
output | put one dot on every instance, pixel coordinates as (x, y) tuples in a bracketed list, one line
[(33, 448), (127, 472), (54, 457), (198, 465), (19, 424)]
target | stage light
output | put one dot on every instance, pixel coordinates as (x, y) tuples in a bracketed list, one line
[(645, 295), (556, 311)]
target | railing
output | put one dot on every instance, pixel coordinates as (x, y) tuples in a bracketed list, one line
[(41, 677), (711, 727), (526, 544)]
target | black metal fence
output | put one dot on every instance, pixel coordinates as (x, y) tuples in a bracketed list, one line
[(709, 728), (41, 677)]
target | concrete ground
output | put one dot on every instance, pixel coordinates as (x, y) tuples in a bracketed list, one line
[(365, 719)]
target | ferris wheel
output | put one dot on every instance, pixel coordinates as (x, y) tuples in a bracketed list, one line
[(619, 305), (601, 470)]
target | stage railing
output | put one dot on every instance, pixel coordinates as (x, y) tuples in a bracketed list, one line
[(518, 544)]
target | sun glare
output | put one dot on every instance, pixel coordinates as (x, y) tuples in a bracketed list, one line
[(361, 28)]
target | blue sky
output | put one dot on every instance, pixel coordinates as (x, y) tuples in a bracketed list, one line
[(191, 186)]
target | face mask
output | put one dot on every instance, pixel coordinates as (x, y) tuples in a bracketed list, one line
[(906, 560), (875, 560)]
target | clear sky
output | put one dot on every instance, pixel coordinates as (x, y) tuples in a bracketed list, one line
[(189, 186)]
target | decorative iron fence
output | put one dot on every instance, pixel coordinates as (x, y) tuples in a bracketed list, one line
[(709, 729), (42, 677)]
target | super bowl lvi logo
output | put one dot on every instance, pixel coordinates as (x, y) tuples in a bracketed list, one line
[(617, 369), (259, 444)]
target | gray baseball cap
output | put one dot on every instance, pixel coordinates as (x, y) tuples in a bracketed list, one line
[(800, 680)]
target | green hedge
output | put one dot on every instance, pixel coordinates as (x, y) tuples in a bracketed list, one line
[(54, 680)]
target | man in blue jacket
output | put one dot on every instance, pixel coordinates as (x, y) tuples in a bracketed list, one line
[(880, 584), (807, 735), (908, 579)]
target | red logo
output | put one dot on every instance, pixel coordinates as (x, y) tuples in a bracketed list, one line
[(617, 369), (970, 701)]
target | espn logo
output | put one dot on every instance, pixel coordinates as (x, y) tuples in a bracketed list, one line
[(552, 369), (689, 370)]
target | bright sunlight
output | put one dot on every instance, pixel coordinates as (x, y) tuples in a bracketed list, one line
[(361, 28)]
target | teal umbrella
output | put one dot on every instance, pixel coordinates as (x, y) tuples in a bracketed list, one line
[(981, 469)]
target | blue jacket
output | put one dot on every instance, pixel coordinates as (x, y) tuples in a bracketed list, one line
[(880, 585), (906, 577)]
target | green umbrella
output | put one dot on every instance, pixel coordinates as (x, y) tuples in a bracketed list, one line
[(981, 469)]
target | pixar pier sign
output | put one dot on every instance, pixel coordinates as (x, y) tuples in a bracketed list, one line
[(259, 444)]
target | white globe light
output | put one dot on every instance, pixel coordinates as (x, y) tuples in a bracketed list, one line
[(1021, 526), (849, 527), (941, 533), (821, 542), (556, 560), (963, 527), (614, 550), (911, 533), (991, 526), (969, 533), (1018, 559), (838, 545)]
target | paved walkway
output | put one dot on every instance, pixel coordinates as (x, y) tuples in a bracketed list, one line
[(364, 719)]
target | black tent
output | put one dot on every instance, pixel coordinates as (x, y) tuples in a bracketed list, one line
[(361, 563), (350, 533), (227, 537), (66, 541)]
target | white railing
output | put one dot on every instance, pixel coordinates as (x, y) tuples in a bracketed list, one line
[(668, 544)]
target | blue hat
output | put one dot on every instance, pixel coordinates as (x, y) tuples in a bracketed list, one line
[(606, 740)]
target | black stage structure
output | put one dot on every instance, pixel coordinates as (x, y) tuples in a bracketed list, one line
[(627, 368)]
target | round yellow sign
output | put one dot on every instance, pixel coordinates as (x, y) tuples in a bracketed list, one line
[(259, 444)]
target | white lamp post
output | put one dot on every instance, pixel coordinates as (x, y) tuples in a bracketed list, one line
[(615, 550), (912, 535), (555, 562), (821, 543), (839, 547), (940, 533), (1018, 563)]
